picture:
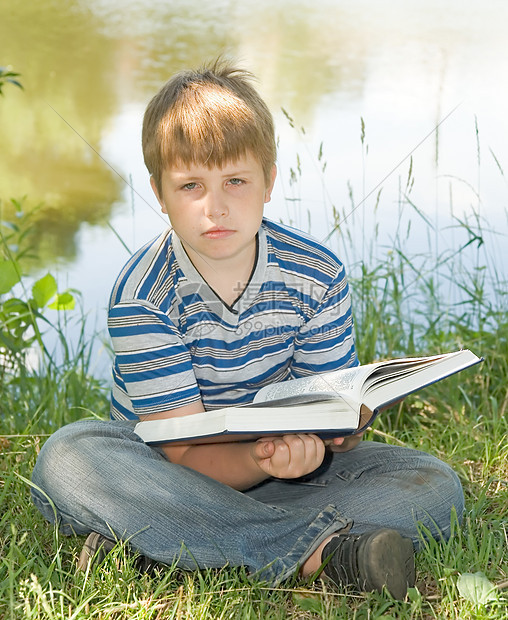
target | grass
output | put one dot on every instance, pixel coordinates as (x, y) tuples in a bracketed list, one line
[(401, 308)]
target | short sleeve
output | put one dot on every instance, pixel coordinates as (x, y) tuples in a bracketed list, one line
[(326, 341), (152, 371)]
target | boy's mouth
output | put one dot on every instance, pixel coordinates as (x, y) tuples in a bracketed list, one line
[(218, 232)]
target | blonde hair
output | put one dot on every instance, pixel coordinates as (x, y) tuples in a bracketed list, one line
[(207, 117)]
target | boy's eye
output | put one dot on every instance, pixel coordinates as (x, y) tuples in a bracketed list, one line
[(236, 181), (190, 186)]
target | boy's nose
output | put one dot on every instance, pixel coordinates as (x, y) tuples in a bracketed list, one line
[(215, 205)]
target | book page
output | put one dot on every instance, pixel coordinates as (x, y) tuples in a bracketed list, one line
[(341, 383), (394, 386)]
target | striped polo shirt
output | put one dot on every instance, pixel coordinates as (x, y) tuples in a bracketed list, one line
[(176, 341)]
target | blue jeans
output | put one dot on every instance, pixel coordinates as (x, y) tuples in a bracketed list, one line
[(101, 477)]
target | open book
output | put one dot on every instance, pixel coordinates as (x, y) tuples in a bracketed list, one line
[(333, 404)]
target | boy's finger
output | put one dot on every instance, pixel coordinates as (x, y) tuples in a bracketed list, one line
[(337, 441), (264, 448), (305, 447)]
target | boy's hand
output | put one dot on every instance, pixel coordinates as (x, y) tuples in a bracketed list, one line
[(289, 456), (343, 444)]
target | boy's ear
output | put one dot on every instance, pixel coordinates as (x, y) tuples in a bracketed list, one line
[(156, 192), (268, 191)]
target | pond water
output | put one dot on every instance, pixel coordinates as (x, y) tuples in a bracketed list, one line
[(378, 91)]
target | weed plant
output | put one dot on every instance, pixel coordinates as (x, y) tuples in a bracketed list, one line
[(400, 309)]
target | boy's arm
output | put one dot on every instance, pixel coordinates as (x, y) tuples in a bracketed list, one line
[(243, 465)]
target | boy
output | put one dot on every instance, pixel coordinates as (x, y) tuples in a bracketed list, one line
[(202, 317)]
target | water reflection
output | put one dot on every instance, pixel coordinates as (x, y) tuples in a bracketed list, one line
[(66, 62), (327, 61), (82, 61)]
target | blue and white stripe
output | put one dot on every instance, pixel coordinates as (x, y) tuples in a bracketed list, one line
[(175, 341)]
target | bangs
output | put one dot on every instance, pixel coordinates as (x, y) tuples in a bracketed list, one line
[(209, 126)]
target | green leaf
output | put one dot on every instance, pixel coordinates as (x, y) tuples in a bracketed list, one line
[(475, 587), (9, 275), (414, 595), (44, 290), (63, 301)]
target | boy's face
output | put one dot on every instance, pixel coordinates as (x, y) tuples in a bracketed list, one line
[(216, 212)]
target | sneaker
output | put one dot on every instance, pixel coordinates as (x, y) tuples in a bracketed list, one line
[(371, 561), (97, 546)]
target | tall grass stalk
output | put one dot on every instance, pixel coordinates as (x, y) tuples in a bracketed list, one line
[(401, 308)]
